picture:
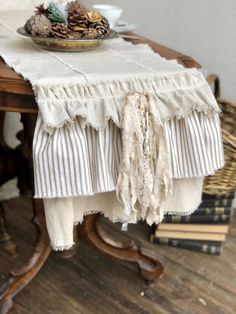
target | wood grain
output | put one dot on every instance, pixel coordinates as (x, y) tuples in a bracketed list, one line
[(90, 283)]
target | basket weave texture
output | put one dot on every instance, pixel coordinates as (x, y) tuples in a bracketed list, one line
[(224, 180)]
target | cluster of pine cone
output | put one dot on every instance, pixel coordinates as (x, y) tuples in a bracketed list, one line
[(72, 21)]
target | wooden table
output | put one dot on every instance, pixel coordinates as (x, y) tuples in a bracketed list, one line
[(16, 95)]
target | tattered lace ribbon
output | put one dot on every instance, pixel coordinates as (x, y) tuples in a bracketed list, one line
[(144, 180)]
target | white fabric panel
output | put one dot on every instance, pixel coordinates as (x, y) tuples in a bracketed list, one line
[(62, 214)]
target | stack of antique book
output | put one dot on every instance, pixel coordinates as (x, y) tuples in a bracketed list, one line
[(204, 231)]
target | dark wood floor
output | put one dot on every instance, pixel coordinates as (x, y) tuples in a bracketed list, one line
[(91, 283)]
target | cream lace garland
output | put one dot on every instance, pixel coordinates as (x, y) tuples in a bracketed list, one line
[(144, 180)]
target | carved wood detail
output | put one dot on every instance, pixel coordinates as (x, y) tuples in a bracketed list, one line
[(6, 242), (7, 172), (149, 266), (20, 277)]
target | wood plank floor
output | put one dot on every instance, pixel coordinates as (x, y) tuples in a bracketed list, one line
[(93, 284)]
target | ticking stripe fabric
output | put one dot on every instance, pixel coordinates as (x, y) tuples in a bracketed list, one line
[(195, 145), (81, 161), (76, 161)]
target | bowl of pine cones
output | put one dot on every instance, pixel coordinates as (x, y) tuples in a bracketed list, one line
[(70, 27)]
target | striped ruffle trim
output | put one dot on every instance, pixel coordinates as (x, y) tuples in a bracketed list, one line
[(81, 161)]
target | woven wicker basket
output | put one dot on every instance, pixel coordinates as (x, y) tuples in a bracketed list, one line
[(224, 180)]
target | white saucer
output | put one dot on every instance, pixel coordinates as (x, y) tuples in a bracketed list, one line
[(122, 26)]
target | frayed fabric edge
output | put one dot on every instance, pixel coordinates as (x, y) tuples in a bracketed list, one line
[(60, 248), (63, 247), (49, 127)]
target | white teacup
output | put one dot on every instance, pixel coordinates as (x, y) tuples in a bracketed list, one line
[(111, 12)]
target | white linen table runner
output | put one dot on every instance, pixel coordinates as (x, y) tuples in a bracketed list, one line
[(118, 118)]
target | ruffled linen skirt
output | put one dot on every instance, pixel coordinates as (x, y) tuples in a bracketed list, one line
[(77, 168)]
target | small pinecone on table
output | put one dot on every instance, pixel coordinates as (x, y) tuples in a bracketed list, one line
[(60, 30), (90, 33), (38, 25), (102, 28), (77, 20)]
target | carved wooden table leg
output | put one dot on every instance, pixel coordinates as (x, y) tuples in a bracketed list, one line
[(20, 277), (7, 172), (150, 267), (5, 239)]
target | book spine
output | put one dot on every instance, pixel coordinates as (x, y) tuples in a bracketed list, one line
[(190, 235), (209, 247), (197, 219), (216, 203), (210, 211), (229, 195)]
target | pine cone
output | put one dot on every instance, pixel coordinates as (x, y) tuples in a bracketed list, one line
[(77, 16), (90, 33), (76, 35), (75, 6), (41, 10), (38, 25), (79, 26), (60, 30), (102, 28)]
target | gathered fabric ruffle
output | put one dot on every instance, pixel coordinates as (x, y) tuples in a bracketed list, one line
[(174, 95), (80, 160)]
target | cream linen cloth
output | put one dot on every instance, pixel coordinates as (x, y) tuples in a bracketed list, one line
[(140, 92), (95, 84), (63, 213)]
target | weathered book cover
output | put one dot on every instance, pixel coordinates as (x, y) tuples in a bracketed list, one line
[(217, 203), (197, 228), (209, 247), (229, 195), (204, 219), (211, 211), (188, 235)]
